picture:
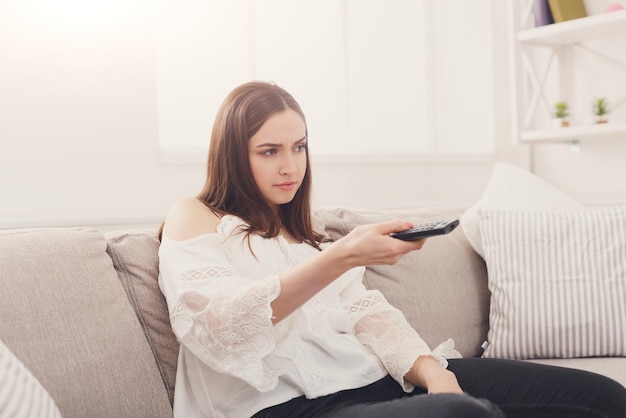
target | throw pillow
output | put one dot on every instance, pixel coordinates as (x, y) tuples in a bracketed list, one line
[(21, 394), (135, 258), (513, 188), (557, 282)]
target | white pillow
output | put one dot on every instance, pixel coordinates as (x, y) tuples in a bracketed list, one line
[(512, 188), (21, 394), (557, 282)]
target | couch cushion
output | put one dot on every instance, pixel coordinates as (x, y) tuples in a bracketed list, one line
[(441, 289), (135, 257), (613, 367), (66, 316)]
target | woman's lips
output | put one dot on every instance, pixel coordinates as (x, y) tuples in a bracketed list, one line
[(289, 185)]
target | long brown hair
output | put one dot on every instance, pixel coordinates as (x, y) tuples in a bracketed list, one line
[(230, 187)]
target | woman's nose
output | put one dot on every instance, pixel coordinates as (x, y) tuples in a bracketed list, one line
[(288, 165)]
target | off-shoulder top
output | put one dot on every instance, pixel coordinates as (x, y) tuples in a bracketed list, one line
[(233, 362)]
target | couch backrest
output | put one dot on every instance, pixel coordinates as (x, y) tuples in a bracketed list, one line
[(441, 289), (65, 315)]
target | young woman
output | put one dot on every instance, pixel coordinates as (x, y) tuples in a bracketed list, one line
[(275, 322)]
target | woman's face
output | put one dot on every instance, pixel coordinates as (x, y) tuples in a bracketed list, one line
[(278, 156)]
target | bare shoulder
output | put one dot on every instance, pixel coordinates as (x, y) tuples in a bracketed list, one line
[(188, 218)]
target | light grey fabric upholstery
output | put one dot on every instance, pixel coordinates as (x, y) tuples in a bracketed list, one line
[(66, 316), (135, 258), (90, 334), (613, 367)]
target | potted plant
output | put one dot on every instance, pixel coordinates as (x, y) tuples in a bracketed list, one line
[(561, 112), (600, 109)]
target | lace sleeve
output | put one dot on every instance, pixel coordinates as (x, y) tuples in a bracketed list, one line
[(386, 332), (223, 318)]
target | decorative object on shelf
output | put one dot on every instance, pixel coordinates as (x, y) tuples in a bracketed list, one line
[(561, 112), (613, 7), (563, 10), (542, 13), (600, 109)]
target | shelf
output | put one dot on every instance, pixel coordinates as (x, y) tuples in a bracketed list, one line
[(538, 82), (576, 30), (573, 133)]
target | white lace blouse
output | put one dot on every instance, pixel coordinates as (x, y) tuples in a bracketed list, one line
[(234, 362)]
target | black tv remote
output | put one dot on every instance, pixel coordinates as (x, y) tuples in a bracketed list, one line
[(426, 230)]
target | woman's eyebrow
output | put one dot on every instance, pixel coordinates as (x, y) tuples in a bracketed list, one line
[(269, 144)]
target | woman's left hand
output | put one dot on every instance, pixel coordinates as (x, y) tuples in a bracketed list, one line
[(444, 382), (429, 374)]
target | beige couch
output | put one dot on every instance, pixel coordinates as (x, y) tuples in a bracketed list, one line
[(83, 311)]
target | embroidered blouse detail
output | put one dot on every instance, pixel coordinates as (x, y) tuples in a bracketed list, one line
[(234, 362)]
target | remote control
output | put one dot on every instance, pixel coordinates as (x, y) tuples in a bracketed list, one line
[(426, 230)]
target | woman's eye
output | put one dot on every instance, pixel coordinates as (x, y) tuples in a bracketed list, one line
[(270, 151), (301, 147)]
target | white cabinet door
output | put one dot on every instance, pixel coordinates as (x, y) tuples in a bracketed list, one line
[(299, 45)]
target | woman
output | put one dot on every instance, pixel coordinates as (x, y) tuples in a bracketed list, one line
[(275, 322)]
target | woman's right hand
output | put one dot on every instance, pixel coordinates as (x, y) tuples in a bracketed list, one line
[(363, 246), (371, 244)]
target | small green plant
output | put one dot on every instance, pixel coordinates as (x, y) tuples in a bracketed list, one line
[(560, 113), (600, 108), (561, 110)]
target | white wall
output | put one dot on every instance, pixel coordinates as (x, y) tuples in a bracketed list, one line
[(78, 127), (596, 175), (79, 131)]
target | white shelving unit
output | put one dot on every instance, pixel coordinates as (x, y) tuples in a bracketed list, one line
[(575, 133), (531, 80), (577, 30)]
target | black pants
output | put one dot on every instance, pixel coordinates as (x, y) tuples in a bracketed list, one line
[(493, 388)]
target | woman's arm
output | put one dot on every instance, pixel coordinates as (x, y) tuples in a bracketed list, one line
[(385, 331), (428, 373), (365, 245)]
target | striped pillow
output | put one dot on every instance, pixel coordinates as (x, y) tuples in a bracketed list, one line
[(557, 282), (21, 394)]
